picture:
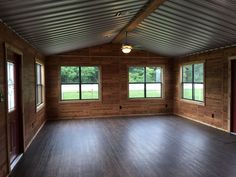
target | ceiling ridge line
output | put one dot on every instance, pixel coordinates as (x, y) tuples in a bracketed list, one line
[(139, 17)]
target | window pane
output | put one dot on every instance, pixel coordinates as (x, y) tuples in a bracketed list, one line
[(187, 73), (37, 100), (136, 90), (153, 90), (198, 72), (39, 95), (136, 74), (198, 92), (187, 91), (10, 73), (153, 74), (38, 74), (70, 92), (69, 74), (11, 86), (89, 74), (89, 91), (11, 97)]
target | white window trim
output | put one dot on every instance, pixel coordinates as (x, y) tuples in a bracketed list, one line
[(40, 106), (200, 103), (148, 98), (82, 100)]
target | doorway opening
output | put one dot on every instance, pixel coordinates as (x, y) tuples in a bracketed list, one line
[(232, 88), (14, 106)]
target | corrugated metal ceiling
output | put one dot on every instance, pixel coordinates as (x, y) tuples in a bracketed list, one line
[(58, 26), (176, 28), (181, 27)]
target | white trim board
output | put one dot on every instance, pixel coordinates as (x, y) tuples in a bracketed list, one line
[(209, 125), (30, 142)]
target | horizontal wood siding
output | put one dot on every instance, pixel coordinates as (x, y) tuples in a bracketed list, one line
[(216, 87), (32, 120), (114, 83)]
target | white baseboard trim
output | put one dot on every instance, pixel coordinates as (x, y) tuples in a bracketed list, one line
[(233, 133), (110, 116), (35, 135), (209, 125), (13, 164), (21, 155)]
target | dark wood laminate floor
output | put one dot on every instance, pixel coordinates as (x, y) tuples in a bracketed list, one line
[(157, 146)]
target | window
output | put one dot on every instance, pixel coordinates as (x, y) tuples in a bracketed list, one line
[(145, 82), (11, 85), (39, 85), (193, 82), (79, 83)]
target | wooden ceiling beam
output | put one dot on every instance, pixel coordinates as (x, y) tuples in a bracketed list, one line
[(151, 7)]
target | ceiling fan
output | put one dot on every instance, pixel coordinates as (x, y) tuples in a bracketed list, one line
[(126, 47)]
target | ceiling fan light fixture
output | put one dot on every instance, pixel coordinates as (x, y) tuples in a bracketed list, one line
[(126, 48)]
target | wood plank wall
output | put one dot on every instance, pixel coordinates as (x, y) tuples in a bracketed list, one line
[(114, 70), (216, 77), (32, 119), (114, 65)]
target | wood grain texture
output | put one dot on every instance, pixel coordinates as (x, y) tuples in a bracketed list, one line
[(148, 9), (114, 81), (32, 119), (157, 146), (216, 87)]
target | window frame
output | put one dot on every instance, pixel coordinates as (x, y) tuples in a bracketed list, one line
[(80, 85), (40, 105), (145, 83), (193, 100)]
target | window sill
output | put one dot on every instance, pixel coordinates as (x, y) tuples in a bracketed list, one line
[(193, 102), (40, 107), (77, 101), (145, 99)]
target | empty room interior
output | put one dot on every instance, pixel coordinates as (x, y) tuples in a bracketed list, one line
[(118, 88)]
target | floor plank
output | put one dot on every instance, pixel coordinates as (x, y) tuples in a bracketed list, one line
[(153, 146)]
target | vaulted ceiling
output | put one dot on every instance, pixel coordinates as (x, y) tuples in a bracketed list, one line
[(167, 27), (181, 27), (58, 26)]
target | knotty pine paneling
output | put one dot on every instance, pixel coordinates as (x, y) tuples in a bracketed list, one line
[(216, 87), (32, 120), (114, 83)]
